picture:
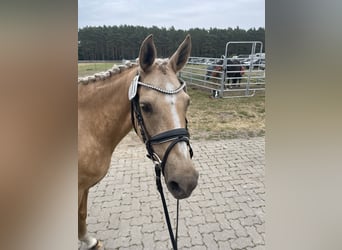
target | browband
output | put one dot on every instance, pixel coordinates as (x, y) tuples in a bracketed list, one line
[(132, 92)]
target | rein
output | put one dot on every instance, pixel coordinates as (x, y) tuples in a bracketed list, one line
[(174, 136)]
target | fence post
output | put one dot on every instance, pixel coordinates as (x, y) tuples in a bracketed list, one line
[(251, 65), (223, 75)]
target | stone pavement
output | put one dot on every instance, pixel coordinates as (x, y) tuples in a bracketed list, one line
[(225, 211)]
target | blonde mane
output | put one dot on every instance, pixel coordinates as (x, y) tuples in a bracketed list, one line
[(115, 70)]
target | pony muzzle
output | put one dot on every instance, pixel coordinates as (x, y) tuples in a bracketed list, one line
[(182, 181)]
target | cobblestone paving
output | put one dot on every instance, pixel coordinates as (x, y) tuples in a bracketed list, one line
[(225, 211)]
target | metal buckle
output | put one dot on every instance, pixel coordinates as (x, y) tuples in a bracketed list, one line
[(156, 160)]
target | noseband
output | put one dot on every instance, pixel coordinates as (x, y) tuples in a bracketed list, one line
[(174, 136)]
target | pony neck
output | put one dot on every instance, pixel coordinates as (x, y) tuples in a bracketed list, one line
[(104, 108)]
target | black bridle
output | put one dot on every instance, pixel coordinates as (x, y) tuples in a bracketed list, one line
[(174, 136)]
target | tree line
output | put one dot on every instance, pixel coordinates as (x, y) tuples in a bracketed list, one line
[(123, 42)]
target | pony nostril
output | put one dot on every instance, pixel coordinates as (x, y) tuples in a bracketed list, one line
[(174, 186), (182, 186)]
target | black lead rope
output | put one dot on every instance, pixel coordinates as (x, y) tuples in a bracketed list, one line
[(166, 212)]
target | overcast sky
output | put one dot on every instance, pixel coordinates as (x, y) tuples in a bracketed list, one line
[(184, 14)]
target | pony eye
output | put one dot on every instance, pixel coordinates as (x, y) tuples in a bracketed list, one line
[(146, 107)]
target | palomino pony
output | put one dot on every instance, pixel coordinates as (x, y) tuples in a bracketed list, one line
[(148, 96)]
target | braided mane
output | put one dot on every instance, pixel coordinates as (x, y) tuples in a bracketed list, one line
[(106, 74)]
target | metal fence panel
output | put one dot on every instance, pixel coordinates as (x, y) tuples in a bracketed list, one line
[(231, 75)]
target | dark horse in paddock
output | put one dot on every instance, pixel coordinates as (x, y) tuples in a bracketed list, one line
[(234, 72)]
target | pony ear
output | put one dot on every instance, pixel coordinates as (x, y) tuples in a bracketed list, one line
[(147, 53), (180, 57)]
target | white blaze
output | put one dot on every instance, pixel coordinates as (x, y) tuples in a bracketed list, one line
[(172, 99)]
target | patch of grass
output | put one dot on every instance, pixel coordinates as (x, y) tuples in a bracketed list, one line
[(245, 113), (211, 118)]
